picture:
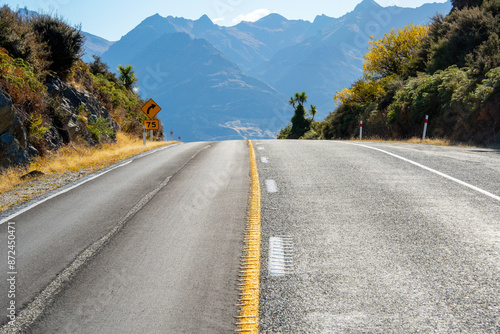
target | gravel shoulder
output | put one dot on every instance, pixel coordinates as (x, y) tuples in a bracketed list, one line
[(27, 191), (41, 185)]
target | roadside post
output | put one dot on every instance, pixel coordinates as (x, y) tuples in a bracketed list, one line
[(361, 130), (171, 135), (144, 135), (425, 127), (151, 109)]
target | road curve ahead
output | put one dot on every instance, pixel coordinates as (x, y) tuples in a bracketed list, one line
[(379, 238), (171, 267)]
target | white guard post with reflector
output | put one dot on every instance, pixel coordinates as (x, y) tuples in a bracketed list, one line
[(425, 127)]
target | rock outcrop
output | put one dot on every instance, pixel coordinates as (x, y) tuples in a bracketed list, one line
[(68, 121), (14, 148), (73, 114)]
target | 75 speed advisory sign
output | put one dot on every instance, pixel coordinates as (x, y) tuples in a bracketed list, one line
[(152, 124)]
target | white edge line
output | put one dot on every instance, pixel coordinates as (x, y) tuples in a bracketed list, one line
[(63, 191), (3, 221), (484, 192)]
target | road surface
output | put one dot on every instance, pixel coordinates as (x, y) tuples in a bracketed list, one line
[(375, 244), (174, 265), (356, 238)]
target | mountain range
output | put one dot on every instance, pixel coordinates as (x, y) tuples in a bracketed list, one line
[(216, 82)]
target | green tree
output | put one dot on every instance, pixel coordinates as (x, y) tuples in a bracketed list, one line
[(395, 54), (313, 111), (300, 124), (297, 97), (127, 76), (301, 98)]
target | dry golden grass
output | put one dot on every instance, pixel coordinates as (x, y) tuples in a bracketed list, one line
[(9, 178), (73, 158), (416, 140)]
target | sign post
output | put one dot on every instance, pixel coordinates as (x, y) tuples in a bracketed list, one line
[(144, 135), (151, 109)]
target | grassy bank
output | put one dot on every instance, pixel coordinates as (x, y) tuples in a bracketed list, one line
[(75, 159), (416, 140)]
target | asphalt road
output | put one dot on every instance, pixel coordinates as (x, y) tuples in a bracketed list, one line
[(364, 242), (174, 222), (356, 238)]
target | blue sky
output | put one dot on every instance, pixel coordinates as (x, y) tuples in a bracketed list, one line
[(112, 19)]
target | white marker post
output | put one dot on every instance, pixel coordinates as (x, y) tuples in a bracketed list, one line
[(144, 135), (361, 130), (425, 127)]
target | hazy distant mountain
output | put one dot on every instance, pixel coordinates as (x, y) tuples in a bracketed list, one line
[(212, 69), (333, 58), (247, 44), (204, 96), (94, 45)]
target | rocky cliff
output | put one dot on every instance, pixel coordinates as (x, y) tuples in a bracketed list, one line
[(74, 112), (14, 147), (75, 115)]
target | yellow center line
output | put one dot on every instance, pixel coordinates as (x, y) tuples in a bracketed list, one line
[(248, 320)]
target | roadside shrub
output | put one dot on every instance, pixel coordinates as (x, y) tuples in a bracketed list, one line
[(19, 81), (36, 132), (311, 134), (456, 38), (20, 41), (285, 132), (100, 130), (99, 67), (65, 44)]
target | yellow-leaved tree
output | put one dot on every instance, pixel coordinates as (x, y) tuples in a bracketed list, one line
[(395, 53)]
